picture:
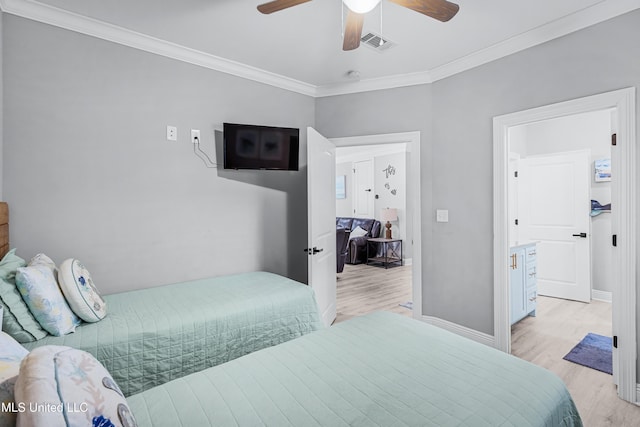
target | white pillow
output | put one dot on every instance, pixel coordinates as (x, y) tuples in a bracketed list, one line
[(358, 232), (70, 379), (80, 292), (39, 288), (11, 354)]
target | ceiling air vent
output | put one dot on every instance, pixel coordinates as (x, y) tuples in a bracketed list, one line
[(376, 42)]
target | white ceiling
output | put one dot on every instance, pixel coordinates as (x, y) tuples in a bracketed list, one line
[(304, 43)]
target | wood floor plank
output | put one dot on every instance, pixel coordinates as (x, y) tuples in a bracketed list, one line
[(364, 289), (548, 337)]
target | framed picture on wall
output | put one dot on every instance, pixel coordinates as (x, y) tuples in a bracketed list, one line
[(341, 187), (603, 170)]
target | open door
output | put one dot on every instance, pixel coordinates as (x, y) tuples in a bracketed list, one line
[(321, 204)]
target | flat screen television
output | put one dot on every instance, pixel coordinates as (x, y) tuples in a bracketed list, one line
[(260, 147)]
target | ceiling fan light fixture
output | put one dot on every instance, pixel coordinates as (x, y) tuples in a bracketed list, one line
[(361, 6)]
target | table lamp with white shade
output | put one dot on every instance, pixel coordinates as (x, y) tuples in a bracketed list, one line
[(388, 214)]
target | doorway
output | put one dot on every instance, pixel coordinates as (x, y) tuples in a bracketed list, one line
[(371, 197), (623, 220), (412, 222)]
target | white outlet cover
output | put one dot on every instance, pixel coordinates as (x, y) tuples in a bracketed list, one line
[(172, 133), (195, 133), (442, 215)]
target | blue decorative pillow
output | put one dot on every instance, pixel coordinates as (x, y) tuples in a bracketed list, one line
[(17, 320), (39, 288), (11, 354), (70, 378), (81, 293)]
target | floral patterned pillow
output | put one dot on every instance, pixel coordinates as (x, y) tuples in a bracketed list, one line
[(17, 320), (81, 293), (74, 381), (11, 354), (39, 288)]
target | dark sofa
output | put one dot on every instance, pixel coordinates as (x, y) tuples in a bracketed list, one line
[(342, 247), (357, 248)]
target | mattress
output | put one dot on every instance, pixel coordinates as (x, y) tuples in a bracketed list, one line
[(155, 335), (377, 370)]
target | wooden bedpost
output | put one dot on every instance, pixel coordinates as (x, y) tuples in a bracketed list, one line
[(4, 229)]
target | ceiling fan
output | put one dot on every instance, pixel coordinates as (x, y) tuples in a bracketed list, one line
[(442, 10)]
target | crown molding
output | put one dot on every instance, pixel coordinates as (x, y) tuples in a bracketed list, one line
[(366, 85), (584, 18), (51, 15), (92, 27)]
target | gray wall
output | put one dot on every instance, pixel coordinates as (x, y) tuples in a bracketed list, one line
[(88, 172), (396, 110), (455, 118)]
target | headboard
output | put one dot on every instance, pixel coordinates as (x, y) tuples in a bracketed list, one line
[(4, 229)]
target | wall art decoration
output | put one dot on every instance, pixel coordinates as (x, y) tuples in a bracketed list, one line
[(341, 187), (603, 170)]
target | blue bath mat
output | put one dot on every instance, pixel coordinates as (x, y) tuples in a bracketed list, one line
[(594, 351)]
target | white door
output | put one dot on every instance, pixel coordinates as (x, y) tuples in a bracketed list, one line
[(321, 204), (363, 189), (554, 206)]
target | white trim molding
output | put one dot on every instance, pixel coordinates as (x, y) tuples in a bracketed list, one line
[(92, 27), (62, 18), (561, 27), (624, 223), (601, 295), (463, 331)]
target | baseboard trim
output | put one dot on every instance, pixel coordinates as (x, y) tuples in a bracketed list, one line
[(408, 261), (601, 295), (472, 334)]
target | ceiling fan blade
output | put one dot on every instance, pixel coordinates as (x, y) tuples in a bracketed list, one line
[(442, 10), (353, 31), (276, 5)]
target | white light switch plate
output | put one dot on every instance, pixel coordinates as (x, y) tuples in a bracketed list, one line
[(442, 215)]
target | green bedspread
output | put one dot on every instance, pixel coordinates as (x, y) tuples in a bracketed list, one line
[(155, 335), (378, 370)]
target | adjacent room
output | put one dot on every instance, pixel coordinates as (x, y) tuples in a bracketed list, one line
[(332, 213), (373, 220)]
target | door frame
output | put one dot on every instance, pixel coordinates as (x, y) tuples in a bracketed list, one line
[(623, 222), (412, 139)]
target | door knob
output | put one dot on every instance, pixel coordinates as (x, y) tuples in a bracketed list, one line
[(368, 189), (313, 251), (583, 235)]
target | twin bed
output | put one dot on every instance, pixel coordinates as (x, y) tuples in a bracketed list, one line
[(250, 350), (154, 335), (381, 369)]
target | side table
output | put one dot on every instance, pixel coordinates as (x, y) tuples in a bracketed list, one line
[(391, 251)]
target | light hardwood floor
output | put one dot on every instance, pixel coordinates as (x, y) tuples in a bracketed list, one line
[(543, 340), (365, 288), (557, 328)]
